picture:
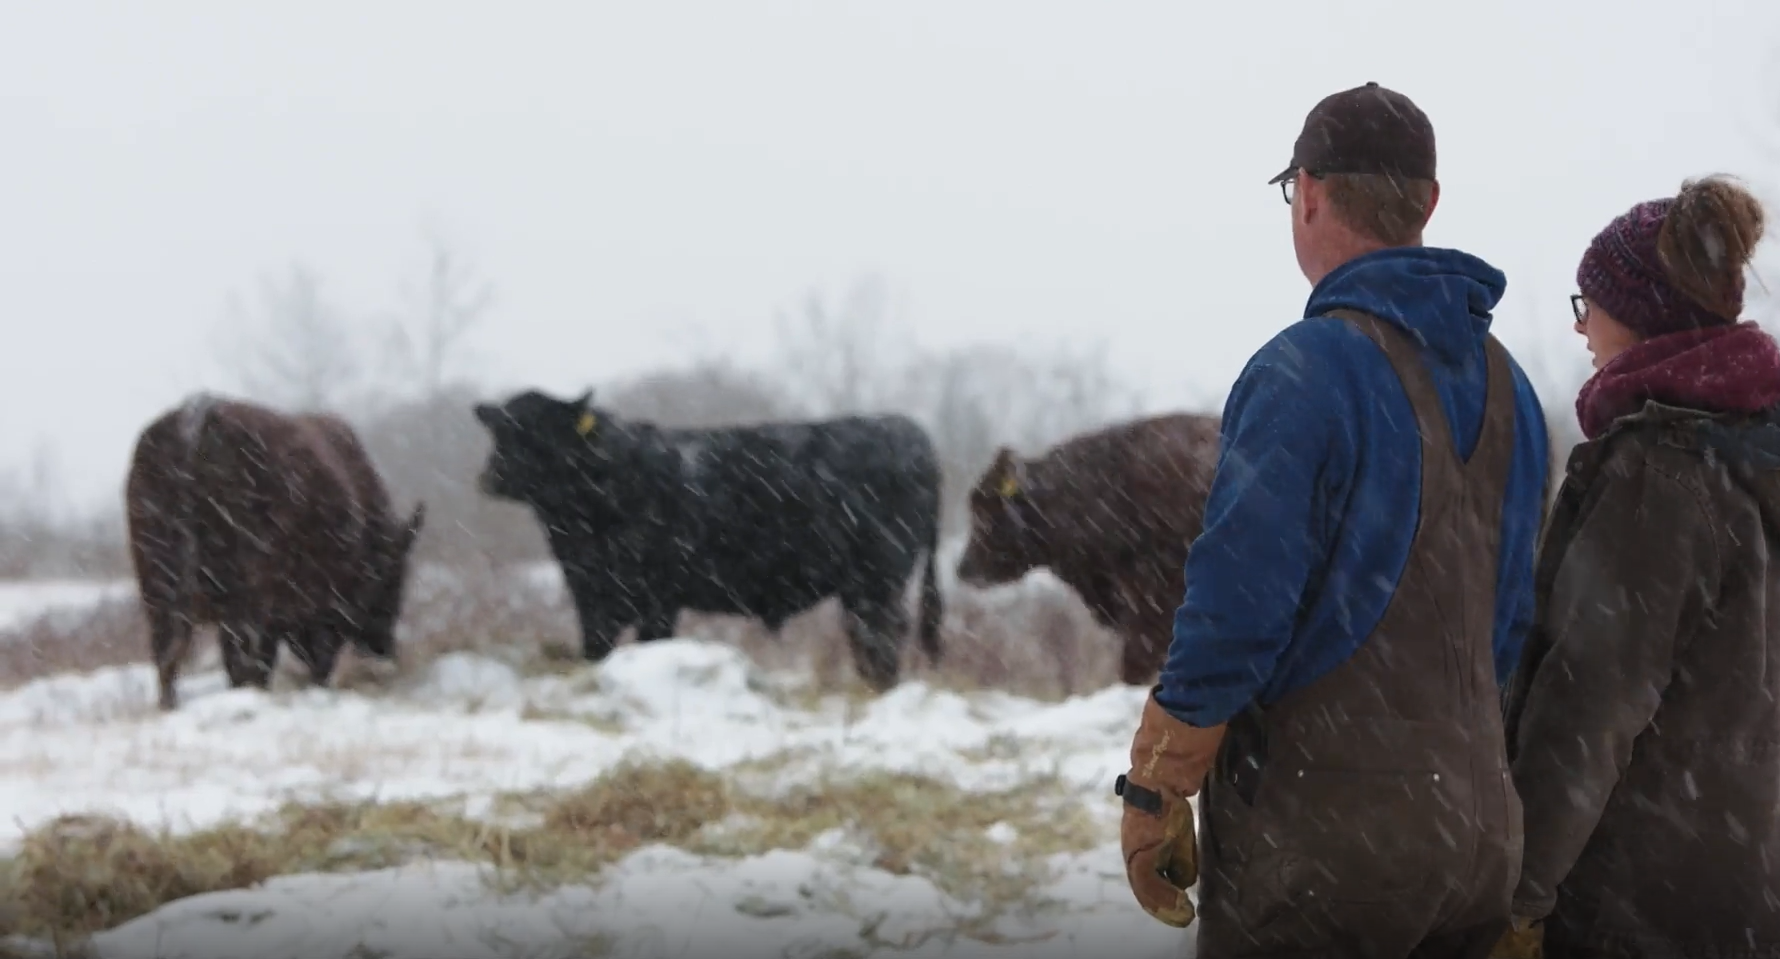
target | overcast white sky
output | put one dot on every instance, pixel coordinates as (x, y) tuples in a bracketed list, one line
[(629, 172)]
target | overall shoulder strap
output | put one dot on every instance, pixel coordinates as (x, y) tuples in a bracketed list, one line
[(1430, 417)]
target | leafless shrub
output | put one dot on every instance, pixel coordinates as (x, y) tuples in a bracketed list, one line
[(707, 394), (1033, 638), (32, 548), (296, 349), (40, 536)]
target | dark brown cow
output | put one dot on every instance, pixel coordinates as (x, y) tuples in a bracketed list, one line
[(275, 528), (1112, 513)]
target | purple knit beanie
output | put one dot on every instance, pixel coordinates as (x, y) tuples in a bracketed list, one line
[(1621, 272)]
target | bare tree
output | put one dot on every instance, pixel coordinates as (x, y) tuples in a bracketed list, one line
[(712, 392), (43, 534), (438, 314), (837, 353), (297, 351)]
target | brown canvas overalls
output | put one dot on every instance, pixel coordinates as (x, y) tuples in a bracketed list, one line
[(1372, 813)]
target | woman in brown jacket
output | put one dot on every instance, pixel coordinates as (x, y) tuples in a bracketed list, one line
[(1644, 721)]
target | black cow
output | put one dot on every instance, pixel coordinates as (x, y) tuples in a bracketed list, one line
[(763, 521)]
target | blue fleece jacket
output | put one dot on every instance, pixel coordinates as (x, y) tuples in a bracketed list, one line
[(1310, 517)]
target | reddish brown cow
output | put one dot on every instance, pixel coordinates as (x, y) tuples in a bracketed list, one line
[(1112, 514), (272, 527)]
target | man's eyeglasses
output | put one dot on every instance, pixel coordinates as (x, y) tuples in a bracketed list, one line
[(1288, 187)]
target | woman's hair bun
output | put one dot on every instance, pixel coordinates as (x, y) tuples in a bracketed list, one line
[(1707, 240)]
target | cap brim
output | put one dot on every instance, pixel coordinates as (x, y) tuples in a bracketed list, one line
[(1284, 174)]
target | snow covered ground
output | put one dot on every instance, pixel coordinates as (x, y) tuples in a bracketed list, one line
[(471, 727)]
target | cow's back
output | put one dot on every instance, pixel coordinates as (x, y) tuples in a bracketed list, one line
[(347, 457), (265, 509), (877, 467), (1131, 489), (784, 514)]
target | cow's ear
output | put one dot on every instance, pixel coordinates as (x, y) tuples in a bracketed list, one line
[(485, 414), (1005, 474), (586, 420)]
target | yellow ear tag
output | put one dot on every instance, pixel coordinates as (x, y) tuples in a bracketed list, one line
[(586, 425), (1009, 486)]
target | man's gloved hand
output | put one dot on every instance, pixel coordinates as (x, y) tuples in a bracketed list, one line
[(1525, 940), (1169, 760)]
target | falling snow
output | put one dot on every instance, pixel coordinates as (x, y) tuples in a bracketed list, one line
[(466, 728)]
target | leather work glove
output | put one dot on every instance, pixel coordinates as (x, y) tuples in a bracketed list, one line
[(1169, 760), (1525, 940)]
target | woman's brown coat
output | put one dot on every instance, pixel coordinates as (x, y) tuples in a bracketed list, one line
[(1644, 721)]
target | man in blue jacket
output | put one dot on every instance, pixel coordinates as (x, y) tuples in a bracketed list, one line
[(1359, 594)]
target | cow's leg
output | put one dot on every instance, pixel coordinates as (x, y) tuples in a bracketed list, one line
[(875, 629), (315, 645), (265, 656), (599, 628), (231, 637), (170, 641), (245, 655), (322, 652), (657, 624), (599, 607)]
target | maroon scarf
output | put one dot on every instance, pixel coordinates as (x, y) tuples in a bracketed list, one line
[(1722, 369)]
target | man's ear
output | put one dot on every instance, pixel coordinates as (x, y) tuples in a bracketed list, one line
[(1310, 199)]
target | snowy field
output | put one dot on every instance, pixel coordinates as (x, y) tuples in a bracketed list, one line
[(21, 601), (471, 729)]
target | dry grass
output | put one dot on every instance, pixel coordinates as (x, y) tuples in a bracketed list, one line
[(1036, 639), (79, 875), (111, 633), (927, 827)]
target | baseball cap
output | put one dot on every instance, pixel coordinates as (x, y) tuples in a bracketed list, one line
[(1369, 129)]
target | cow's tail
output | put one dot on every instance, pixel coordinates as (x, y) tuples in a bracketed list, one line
[(932, 610)]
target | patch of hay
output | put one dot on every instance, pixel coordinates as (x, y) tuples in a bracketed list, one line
[(927, 827), (642, 803), (82, 874), (79, 874)]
